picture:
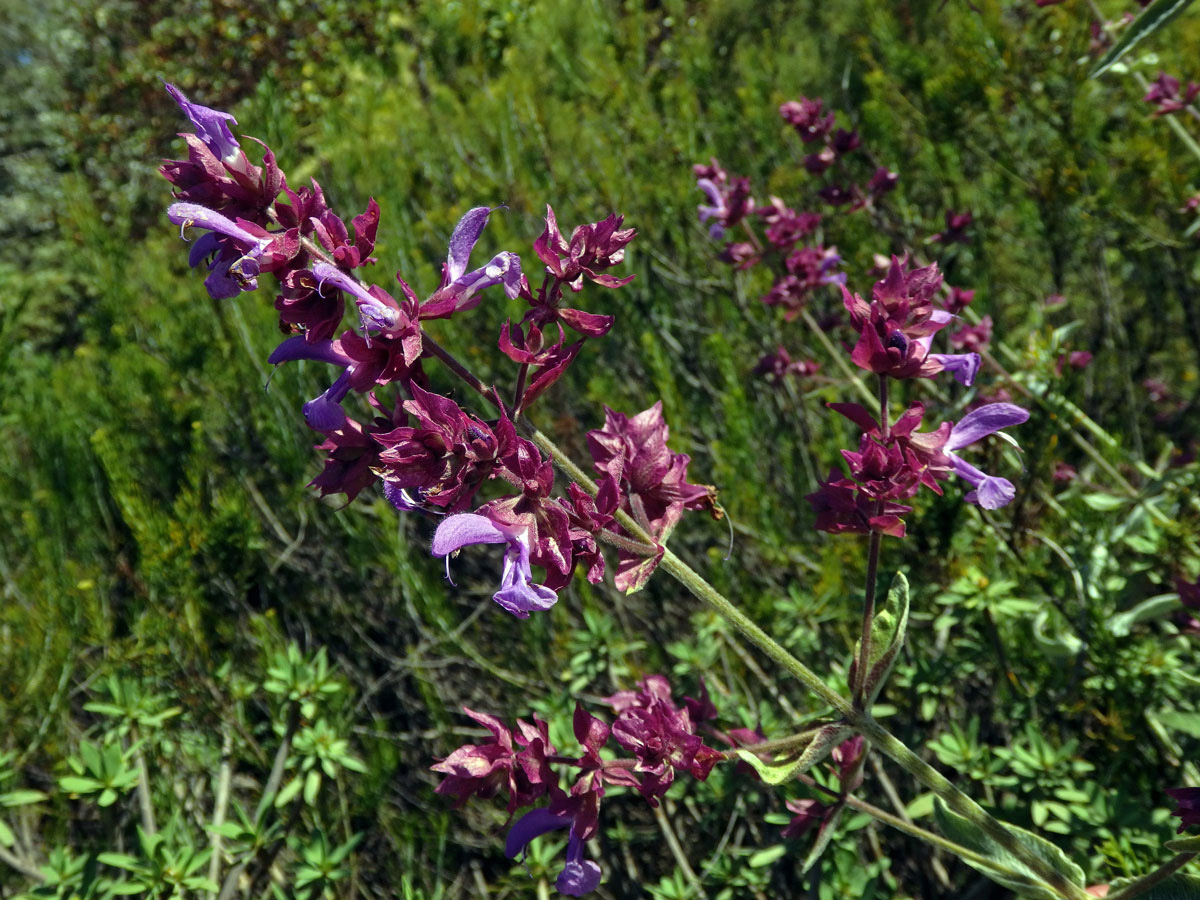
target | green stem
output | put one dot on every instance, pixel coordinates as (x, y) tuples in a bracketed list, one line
[(1149, 880), (874, 544), (963, 853)]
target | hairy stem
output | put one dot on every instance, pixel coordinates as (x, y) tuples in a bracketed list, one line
[(1170, 867)]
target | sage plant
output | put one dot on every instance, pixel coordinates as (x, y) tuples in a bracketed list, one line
[(488, 476)]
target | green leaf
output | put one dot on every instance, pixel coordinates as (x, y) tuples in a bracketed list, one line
[(1184, 845), (21, 798), (1176, 887), (312, 787), (120, 861), (127, 888), (1187, 722), (920, 806), (824, 836), (73, 785), (7, 838), (1007, 870), (1153, 17), (1104, 502), (828, 737), (288, 793), (766, 856), (887, 637), (1155, 608)]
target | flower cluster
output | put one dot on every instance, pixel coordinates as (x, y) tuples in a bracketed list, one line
[(1166, 96), (426, 452), (659, 736), (893, 460)]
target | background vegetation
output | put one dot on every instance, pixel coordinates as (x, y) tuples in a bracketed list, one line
[(160, 552)]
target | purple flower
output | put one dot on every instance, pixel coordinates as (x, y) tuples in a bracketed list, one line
[(461, 289), (236, 253), (212, 126), (1189, 805), (990, 491), (579, 876), (518, 594)]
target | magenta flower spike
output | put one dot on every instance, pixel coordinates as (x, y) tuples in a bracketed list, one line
[(990, 491), (518, 594)]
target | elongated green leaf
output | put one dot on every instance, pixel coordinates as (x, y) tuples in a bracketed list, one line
[(826, 739), (824, 836), (1176, 887), (1184, 845), (7, 838), (120, 861), (1153, 17), (21, 798), (766, 856), (1008, 869)]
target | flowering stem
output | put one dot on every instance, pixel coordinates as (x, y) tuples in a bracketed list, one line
[(1149, 880), (900, 824), (519, 393), (874, 544), (621, 542), (837, 355)]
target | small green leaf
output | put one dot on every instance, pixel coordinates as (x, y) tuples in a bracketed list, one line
[(1156, 607), (288, 793), (887, 637), (920, 806), (1007, 870), (312, 787), (766, 856), (828, 737), (824, 836), (1153, 17), (21, 798), (1187, 722), (1175, 887), (7, 838), (1184, 845), (120, 861), (1104, 502), (73, 785)]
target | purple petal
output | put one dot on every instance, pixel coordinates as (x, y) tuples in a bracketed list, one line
[(990, 491), (219, 283), (714, 197), (963, 366), (373, 313), (985, 420), (462, 241), (504, 268), (456, 532), (578, 878), (399, 497), (212, 125), (205, 246), (299, 347), (187, 215), (533, 824), (325, 413), (522, 597)]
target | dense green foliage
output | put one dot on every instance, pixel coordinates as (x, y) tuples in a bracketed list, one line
[(160, 552)]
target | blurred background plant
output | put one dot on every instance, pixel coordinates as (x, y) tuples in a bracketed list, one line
[(179, 609)]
